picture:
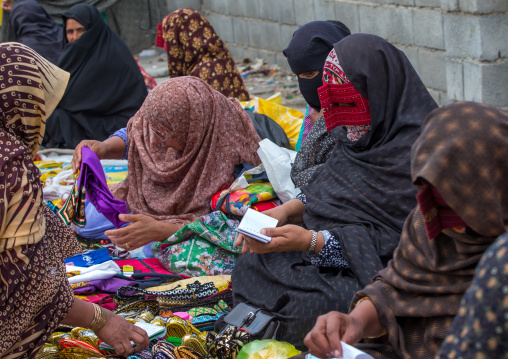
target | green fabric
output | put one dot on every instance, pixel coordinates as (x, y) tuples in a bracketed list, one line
[(203, 247), (302, 130), (174, 340)]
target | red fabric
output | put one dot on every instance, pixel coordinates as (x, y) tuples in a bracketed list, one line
[(343, 105), (436, 212), (146, 265), (96, 298), (159, 40), (265, 206)]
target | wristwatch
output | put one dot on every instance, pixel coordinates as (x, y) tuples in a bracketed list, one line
[(313, 242)]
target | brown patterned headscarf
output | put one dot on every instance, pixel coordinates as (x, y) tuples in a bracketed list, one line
[(214, 133), (195, 49), (30, 88), (462, 153)]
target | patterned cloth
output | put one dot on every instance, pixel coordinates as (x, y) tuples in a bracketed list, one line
[(316, 149), (479, 330), (203, 247), (461, 153), (34, 292), (215, 134), (30, 89), (361, 195), (195, 49), (149, 80)]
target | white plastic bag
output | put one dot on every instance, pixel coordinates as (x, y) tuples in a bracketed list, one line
[(277, 162)]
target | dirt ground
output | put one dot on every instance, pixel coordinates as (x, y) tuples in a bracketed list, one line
[(262, 79)]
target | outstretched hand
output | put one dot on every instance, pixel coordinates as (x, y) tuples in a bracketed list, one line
[(119, 333), (99, 148), (142, 230)]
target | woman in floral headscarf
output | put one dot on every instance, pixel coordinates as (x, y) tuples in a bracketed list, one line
[(195, 49), (35, 295)]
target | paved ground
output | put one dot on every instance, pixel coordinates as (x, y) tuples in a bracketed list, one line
[(262, 80)]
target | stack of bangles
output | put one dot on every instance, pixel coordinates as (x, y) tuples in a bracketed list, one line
[(99, 319), (384, 330)]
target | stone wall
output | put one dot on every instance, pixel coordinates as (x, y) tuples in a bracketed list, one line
[(458, 47)]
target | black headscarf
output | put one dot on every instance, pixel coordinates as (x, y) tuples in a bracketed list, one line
[(364, 191), (33, 27), (106, 87), (307, 51)]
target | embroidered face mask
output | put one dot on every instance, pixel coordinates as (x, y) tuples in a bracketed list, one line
[(342, 104)]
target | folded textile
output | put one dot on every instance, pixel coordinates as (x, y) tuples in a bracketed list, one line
[(203, 247), (90, 258), (99, 271), (251, 187)]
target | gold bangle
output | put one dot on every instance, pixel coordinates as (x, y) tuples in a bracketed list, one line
[(99, 319)]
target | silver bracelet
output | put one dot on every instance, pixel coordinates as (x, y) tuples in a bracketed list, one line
[(313, 242)]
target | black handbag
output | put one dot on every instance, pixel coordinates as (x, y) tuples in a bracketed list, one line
[(259, 323)]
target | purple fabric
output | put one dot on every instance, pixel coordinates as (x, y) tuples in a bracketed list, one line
[(307, 125), (89, 289), (92, 177), (112, 284)]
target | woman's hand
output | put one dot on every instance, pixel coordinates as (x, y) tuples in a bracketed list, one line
[(100, 149), (324, 339), (286, 238), (142, 230), (119, 333), (330, 329), (279, 212)]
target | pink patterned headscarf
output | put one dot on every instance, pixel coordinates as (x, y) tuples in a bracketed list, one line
[(215, 134)]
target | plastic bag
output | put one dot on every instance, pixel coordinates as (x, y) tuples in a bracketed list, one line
[(277, 163), (288, 118), (267, 349)]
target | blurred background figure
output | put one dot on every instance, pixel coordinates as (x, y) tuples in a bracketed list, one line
[(32, 26)]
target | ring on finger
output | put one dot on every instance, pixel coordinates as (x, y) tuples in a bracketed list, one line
[(127, 245)]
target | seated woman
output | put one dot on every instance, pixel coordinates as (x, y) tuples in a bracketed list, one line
[(195, 49), (106, 87), (306, 55), (181, 152), (33, 27), (35, 295), (458, 165), (355, 205)]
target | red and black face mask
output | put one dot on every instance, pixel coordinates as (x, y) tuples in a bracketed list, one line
[(343, 105)]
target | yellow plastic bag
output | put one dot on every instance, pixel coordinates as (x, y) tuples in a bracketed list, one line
[(288, 118), (267, 349)]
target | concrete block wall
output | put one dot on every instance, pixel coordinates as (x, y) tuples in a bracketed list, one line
[(458, 47)]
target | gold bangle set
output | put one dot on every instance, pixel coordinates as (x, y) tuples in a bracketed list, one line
[(99, 319)]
